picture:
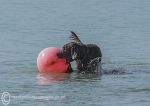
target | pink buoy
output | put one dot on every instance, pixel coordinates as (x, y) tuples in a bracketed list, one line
[(48, 61)]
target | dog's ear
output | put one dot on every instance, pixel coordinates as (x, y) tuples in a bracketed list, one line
[(75, 38)]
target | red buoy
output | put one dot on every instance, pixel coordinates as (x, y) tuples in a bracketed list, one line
[(48, 61)]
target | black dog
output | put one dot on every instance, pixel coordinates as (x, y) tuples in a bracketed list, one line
[(86, 56)]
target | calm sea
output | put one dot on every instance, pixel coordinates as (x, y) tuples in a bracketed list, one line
[(120, 27)]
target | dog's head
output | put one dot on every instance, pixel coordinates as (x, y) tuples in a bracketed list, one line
[(67, 48), (66, 52)]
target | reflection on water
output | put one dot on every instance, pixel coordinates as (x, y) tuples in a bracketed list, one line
[(51, 78), (48, 78)]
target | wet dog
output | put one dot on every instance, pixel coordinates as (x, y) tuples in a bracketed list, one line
[(87, 56)]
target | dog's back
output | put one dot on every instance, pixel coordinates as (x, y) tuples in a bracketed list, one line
[(93, 51)]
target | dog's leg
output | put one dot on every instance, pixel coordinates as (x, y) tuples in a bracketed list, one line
[(69, 70), (79, 66)]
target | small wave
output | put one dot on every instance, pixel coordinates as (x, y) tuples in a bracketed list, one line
[(119, 70), (139, 89)]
